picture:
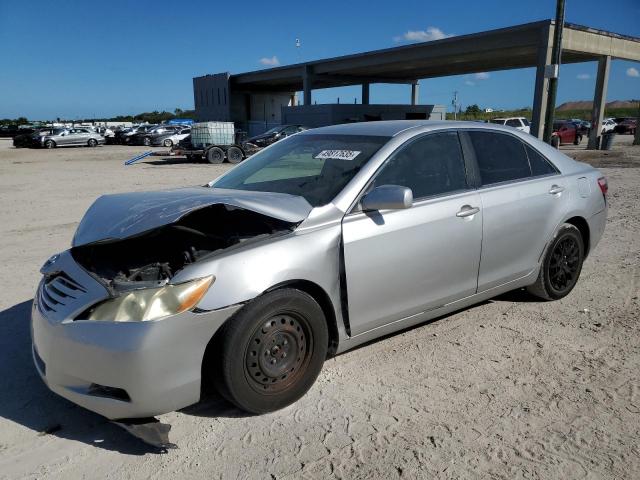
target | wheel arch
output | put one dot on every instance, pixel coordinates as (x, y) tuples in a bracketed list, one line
[(323, 299), (583, 226)]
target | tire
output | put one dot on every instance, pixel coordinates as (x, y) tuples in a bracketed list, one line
[(555, 141), (49, 144), (215, 155), (146, 141), (235, 155), (168, 143), (561, 265), (92, 142), (256, 368)]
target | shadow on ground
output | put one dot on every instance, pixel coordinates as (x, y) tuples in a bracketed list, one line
[(24, 399)]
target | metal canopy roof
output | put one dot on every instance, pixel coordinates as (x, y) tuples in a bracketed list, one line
[(502, 49)]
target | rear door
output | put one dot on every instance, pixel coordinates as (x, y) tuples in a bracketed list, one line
[(400, 263), (523, 201)]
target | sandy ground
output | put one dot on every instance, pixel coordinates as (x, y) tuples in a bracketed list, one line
[(512, 388)]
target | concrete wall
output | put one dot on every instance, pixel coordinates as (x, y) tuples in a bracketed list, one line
[(333, 114), (211, 97)]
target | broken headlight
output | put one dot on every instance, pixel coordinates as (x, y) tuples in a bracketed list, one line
[(151, 303)]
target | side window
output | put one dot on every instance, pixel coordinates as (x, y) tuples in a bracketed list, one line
[(539, 164), (525, 122), (514, 122), (501, 157), (429, 166)]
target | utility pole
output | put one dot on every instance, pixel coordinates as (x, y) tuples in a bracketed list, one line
[(554, 71), (454, 102), (636, 140)]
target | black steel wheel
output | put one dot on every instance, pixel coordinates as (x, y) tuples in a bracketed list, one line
[(215, 155), (271, 352), (92, 142), (234, 155), (561, 265), (49, 144)]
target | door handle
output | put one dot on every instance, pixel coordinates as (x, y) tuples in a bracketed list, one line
[(555, 189), (467, 211)]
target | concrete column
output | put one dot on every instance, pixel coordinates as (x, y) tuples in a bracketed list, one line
[(541, 89), (307, 84), (365, 94), (599, 101), (415, 91)]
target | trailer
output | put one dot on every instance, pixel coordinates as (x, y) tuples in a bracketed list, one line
[(215, 142)]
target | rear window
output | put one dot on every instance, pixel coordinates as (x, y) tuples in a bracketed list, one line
[(501, 157), (539, 164)]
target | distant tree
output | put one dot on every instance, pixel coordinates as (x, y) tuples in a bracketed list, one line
[(22, 120), (473, 110)]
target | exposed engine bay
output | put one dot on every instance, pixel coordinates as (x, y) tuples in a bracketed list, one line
[(152, 258)]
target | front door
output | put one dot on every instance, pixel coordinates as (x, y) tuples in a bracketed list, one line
[(400, 263)]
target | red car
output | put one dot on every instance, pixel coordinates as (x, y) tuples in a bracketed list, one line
[(565, 132), (627, 125)]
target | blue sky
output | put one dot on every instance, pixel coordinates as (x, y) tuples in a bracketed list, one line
[(76, 59)]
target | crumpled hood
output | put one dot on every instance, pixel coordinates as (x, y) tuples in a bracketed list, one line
[(118, 216)]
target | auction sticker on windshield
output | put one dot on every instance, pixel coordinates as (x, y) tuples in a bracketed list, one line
[(337, 154)]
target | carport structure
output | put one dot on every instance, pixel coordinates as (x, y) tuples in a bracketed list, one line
[(521, 46)]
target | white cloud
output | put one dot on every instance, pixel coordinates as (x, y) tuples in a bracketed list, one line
[(481, 76), (470, 83), (633, 72), (583, 76), (428, 35), (271, 62)]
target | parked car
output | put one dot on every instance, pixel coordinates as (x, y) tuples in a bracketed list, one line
[(31, 139), (69, 137), (126, 137), (169, 139), (627, 125), (582, 126), (147, 137), (322, 242), (608, 125), (565, 132), (275, 134), (519, 123)]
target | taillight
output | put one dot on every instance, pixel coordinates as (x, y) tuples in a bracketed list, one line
[(604, 186)]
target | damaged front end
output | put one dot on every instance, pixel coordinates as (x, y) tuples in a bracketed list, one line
[(149, 260)]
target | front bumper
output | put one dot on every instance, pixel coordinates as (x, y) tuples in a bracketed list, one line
[(153, 367)]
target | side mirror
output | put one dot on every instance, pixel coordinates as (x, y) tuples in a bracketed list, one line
[(387, 197)]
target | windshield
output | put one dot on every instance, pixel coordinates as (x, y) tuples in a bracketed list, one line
[(316, 167)]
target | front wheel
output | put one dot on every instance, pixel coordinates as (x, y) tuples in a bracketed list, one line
[(49, 144), (146, 141), (168, 142), (215, 155), (561, 265), (271, 352)]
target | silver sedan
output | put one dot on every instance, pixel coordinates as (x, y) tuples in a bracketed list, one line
[(319, 243), (71, 137)]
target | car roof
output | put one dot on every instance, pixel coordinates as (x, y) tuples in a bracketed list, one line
[(384, 128)]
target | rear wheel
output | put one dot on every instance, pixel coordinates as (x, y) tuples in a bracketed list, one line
[(146, 141), (561, 265), (271, 352), (234, 155), (92, 142), (215, 155), (49, 144)]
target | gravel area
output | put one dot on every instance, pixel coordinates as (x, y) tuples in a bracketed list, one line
[(511, 389)]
